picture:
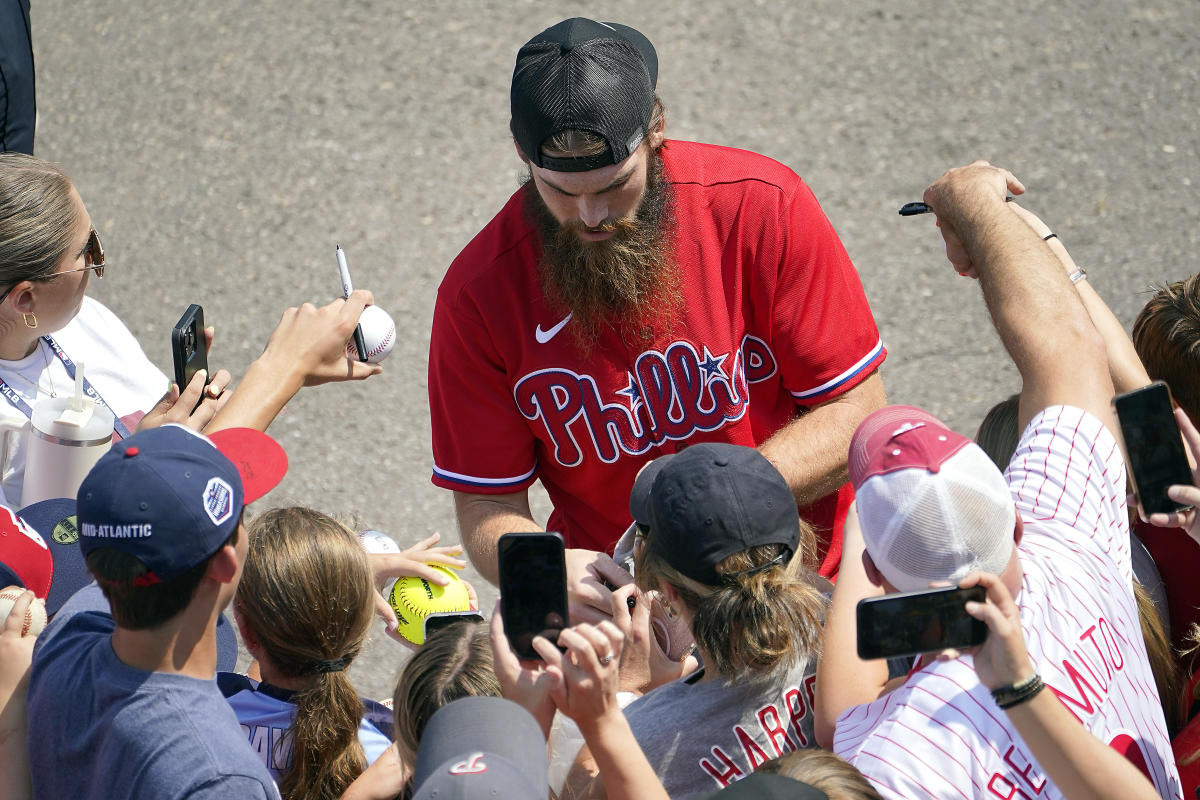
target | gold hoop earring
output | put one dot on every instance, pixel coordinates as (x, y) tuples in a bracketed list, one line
[(29, 324)]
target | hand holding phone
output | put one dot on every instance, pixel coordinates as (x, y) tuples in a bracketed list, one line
[(533, 589), (188, 348), (1153, 447), (910, 623)]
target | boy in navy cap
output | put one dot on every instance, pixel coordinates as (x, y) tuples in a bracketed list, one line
[(128, 699)]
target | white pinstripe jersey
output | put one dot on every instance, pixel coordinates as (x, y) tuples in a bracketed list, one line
[(941, 734)]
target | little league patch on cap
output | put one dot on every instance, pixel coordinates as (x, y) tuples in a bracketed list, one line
[(55, 521), (712, 500), (931, 504), (171, 497), (481, 748), (25, 559), (583, 75)]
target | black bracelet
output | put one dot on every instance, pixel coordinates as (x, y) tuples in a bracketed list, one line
[(1016, 693), (1049, 236)]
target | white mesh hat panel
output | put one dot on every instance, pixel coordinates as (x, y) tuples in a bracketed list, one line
[(921, 526)]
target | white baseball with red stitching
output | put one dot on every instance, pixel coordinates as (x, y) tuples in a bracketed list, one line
[(35, 617), (379, 334)]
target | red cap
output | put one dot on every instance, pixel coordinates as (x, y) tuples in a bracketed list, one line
[(25, 554)]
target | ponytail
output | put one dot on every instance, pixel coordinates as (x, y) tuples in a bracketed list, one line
[(307, 594), (765, 616)]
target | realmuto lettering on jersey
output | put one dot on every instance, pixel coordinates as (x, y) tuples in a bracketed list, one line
[(780, 730), (669, 394)]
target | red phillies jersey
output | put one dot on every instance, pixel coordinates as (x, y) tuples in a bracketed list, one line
[(774, 320)]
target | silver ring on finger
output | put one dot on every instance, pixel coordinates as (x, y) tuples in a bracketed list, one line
[(607, 659)]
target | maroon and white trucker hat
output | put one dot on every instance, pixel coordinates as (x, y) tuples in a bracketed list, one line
[(931, 504)]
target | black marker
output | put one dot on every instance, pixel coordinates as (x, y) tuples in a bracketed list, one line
[(347, 287), (917, 207)]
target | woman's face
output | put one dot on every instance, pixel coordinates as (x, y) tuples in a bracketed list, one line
[(60, 297)]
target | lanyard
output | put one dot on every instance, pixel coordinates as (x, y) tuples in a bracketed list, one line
[(19, 403)]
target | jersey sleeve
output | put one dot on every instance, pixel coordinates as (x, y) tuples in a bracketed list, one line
[(1068, 469), (481, 443), (822, 325), (234, 786)]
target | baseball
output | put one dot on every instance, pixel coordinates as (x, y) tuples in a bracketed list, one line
[(377, 542), (414, 599), (35, 617), (379, 334)]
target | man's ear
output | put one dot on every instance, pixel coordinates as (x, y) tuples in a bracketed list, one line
[(223, 565), (657, 134), (873, 573)]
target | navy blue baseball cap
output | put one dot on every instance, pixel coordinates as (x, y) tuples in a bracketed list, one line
[(55, 521), (710, 501), (171, 497)]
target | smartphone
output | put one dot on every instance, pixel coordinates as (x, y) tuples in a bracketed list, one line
[(1153, 446), (533, 588), (909, 623), (188, 348)]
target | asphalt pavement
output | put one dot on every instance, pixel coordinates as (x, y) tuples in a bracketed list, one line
[(224, 147)]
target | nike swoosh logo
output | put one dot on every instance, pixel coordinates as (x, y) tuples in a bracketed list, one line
[(545, 336)]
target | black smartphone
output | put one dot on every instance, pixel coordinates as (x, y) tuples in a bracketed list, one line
[(188, 348), (1153, 446), (533, 588), (909, 623)]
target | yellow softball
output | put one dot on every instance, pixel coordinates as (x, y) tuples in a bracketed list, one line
[(414, 599)]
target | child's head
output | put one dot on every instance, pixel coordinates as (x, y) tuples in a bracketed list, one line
[(305, 604), (1166, 335), (454, 662)]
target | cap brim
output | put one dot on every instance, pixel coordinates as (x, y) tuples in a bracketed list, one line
[(55, 521), (259, 459), (639, 495)]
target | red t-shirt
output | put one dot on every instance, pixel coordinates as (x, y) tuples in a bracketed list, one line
[(774, 320)]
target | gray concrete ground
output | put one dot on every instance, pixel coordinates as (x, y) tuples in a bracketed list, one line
[(224, 147)]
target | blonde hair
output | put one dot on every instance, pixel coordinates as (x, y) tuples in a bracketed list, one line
[(823, 770), (579, 143), (763, 617), (307, 594), (454, 662), (38, 217)]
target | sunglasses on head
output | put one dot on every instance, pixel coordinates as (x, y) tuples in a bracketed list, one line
[(93, 255)]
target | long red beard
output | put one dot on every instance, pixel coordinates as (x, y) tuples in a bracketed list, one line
[(629, 281)]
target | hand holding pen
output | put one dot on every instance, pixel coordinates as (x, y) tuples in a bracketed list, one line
[(360, 345)]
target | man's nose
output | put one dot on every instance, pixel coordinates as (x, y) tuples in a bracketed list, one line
[(592, 211)]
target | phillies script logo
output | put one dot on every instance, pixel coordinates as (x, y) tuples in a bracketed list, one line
[(669, 395)]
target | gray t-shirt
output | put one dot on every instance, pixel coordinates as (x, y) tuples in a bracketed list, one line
[(701, 736), (100, 729)]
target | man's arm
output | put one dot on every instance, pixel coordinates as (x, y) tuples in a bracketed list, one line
[(484, 518), (810, 451), (1035, 309)]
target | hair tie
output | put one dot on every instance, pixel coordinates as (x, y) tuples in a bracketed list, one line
[(731, 578), (331, 665)]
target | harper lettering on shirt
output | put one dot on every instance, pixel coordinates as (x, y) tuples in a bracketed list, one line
[(941, 734), (701, 736)]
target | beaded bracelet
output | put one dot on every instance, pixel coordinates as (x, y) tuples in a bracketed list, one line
[(1016, 693)]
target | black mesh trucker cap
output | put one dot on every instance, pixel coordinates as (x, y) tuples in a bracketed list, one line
[(583, 75), (712, 500)]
